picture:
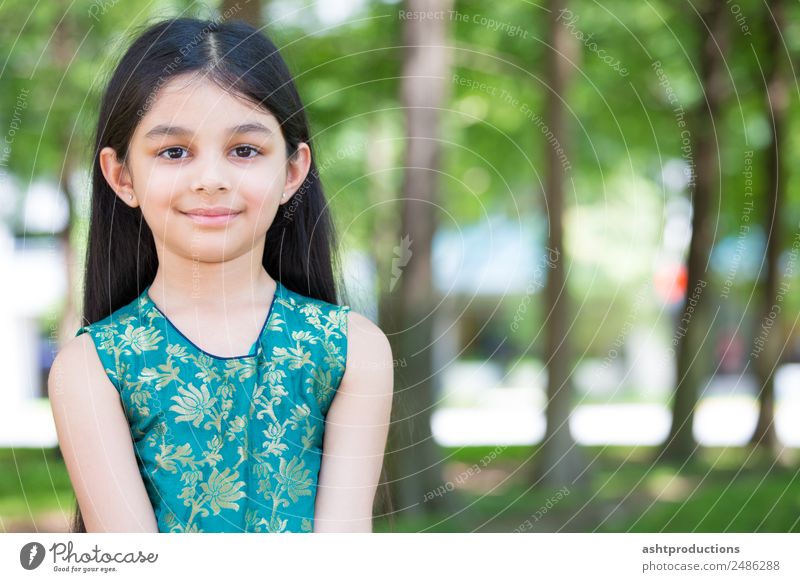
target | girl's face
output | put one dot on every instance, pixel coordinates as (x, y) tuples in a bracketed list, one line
[(200, 149)]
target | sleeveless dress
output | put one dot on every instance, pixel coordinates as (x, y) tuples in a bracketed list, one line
[(227, 444)]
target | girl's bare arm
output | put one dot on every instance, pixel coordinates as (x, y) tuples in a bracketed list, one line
[(356, 429), (95, 441)]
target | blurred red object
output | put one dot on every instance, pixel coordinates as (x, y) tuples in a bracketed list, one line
[(670, 282)]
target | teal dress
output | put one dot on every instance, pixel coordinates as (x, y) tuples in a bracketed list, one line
[(227, 444)]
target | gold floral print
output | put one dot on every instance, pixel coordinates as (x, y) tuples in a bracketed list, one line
[(193, 404), (293, 477), (140, 339), (228, 444), (222, 490)]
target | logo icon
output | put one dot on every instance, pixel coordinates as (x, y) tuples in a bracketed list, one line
[(402, 254), (31, 555)]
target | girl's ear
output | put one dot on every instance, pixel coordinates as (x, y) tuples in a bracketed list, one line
[(117, 176), (296, 170)]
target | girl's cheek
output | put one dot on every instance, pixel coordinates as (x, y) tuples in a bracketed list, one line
[(260, 189), (162, 187)]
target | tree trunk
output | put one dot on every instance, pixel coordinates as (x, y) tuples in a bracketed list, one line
[(413, 461), (560, 461), (690, 368), (777, 100), (64, 49), (248, 11)]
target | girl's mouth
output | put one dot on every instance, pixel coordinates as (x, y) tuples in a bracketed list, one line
[(212, 219)]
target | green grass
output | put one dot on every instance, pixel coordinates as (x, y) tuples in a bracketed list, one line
[(33, 482), (722, 490)]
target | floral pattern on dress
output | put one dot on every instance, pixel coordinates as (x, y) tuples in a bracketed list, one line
[(227, 444)]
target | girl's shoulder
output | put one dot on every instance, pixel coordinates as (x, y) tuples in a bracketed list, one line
[(296, 308), (119, 318), (102, 337), (344, 316)]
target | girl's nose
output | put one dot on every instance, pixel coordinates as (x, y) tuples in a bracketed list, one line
[(211, 176)]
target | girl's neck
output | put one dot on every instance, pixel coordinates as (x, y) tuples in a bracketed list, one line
[(205, 285)]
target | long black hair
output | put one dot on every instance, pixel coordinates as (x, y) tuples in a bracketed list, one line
[(300, 249)]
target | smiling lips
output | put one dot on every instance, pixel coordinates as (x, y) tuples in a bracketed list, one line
[(216, 215)]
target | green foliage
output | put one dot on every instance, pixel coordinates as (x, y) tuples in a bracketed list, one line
[(33, 481)]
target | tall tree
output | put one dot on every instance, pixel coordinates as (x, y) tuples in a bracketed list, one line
[(250, 11), (560, 462), (776, 96), (705, 118), (413, 461), (63, 50)]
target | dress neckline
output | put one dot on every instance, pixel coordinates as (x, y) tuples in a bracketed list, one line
[(255, 348)]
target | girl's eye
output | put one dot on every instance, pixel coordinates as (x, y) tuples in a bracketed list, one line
[(173, 153), (176, 152), (246, 152)]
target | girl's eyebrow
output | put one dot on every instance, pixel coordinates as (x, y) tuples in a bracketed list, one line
[(172, 130)]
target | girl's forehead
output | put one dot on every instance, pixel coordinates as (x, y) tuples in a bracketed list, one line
[(202, 102)]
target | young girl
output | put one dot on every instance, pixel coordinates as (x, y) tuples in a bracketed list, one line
[(215, 357)]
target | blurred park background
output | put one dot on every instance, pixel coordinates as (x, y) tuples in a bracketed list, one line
[(578, 222)]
